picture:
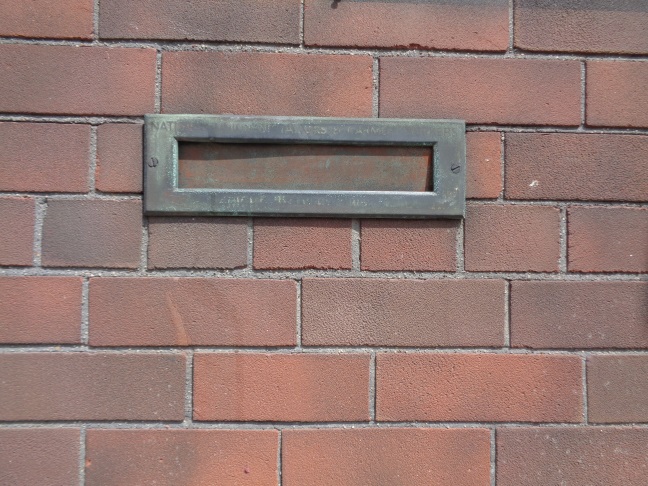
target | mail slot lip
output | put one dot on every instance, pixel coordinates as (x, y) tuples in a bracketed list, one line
[(163, 197)]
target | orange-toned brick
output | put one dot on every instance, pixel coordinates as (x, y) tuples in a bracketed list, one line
[(119, 158), (17, 238), (483, 165)]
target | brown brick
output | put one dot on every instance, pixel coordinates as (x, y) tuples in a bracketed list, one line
[(559, 166), (302, 243), (420, 245), (76, 80), (608, 239), (479, 388), (266, 84), (91, 386), (617, 388), (378, 312), (281, 387), (44, 157), (17, 238), (503, 91), (484, 165), (275, 22), (40, 310), (92, 233), (119, 158), (39, 456), (395, 456), (479, 26), (192, 311), (197, 242), (538, 456), (579, 314), (578, 26), (71, 19), (182, 457), (617, 93), (512, 238)]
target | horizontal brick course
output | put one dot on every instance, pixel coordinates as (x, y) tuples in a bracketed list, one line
[(281, 387), (478, 388), (47, 18), (192, 311), (119, 157), (17, 244)]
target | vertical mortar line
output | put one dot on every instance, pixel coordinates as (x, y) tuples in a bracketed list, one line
[(511, 45), (585, 403), (189, 387), (502, 166), (158, 81), (460, 247), (562, 262), (372, 388), (493, 456), (299, 313), (507, 314), (85, 311), (95, 21), (375, 94), (280, 458), (355, 244), (92, 169), (82, 454), (301, 24), (250, 243), (144, 248), (583, 94), (40, 210)]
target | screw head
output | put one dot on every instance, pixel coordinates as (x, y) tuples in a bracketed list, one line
[(455, 168)]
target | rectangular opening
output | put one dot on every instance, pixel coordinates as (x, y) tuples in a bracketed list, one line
[(320, 167)]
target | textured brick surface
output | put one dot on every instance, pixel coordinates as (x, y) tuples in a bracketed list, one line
[(377, 312), (479, 388), (576, 166), (617, 389), (91, 386), (119, 158), (17, 238), (281, 387), (47, 18), (579, 314), (275, 22), (386, 456), (45, 456), (608, 239), (512, 238), (44, 157), (182, 457), (76, 80), (582, 26), (391, 244), (481, 25), (197, 242), (539, 456), (266, 84), (484, 165), (302, 243), (617, 94), (94, 233), (506, 91), (192, 311), (40, 309)]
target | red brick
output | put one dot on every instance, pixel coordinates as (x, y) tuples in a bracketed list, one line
[(608, 239), (44, 157), (559, 166), (192, 311), (76, 80), (281, 387), (91, 386), (266, 84), (538, 456), (47, 18), (302, 243), (16, 244), (617, 388), (579, 314), (503, 91), (484, 165), (274, 22), (92, 233), (409, 245), (617, 94), (39, 456), (40, 310), (479, 388), (396, 456), (197, 242), (196, 457), (119, 158), (379, 312), (480, 26), (577, 26), (512, 238)]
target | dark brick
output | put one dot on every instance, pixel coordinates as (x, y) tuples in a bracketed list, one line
[(484, 165), (16, 245), (47, 18), (119, 158)]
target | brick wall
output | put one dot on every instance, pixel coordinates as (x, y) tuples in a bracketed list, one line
[(508, 348)]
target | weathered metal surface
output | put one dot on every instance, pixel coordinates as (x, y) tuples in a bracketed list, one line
[(175, 188)]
